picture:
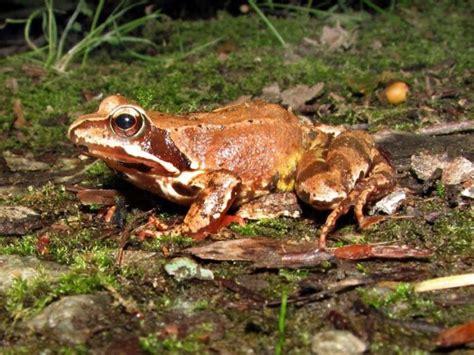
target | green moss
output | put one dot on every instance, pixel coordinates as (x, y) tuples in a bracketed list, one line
[(23, 246), (401, 303), (192, 343)]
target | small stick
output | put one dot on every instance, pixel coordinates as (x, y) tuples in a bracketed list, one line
[(447, 128), (441, 283)]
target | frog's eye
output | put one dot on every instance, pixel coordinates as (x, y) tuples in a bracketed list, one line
[(126, 122)]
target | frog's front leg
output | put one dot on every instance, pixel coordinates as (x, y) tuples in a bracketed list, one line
[(350, 172), (218, 191)]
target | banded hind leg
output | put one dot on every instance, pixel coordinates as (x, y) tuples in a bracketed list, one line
[(350, 172)]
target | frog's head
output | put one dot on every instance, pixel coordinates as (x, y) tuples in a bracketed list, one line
[(121, 134)]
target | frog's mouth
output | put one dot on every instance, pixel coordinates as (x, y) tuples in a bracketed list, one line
[(118, 159)]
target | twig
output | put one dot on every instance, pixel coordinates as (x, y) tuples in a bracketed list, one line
[(447, 128), (444, 282)]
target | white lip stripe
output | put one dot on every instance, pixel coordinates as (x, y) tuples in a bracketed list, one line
[(133, 150), (136, 151)]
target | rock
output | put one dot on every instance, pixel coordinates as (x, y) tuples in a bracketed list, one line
[(18, 220), (26, 268), (424, 165), (337, 342), (390, 203), (17, 162), (184, 268), (458, 171), (72, 319)]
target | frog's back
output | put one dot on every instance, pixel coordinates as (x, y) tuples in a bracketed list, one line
[(258, 141)]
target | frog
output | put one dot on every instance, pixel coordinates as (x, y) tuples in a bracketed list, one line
[(218, 160)]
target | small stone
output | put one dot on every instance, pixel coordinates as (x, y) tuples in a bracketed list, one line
[(337, 342), (26, 268), (184, 268), (390, 203), (458, 171), (72, 319), (18, 220), (424, 165), (17, 162)]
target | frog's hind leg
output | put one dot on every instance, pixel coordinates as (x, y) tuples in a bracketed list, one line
[(380, 180), (351, 173)]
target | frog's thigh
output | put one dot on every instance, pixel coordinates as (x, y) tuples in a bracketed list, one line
[(219, 192), (324, 179)]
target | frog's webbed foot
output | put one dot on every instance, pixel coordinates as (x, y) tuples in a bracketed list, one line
[(353, 174)]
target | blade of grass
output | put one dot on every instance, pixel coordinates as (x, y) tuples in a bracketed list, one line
[(66, 30), (269, 24), (52, 33), (281, 324), (98, 11)]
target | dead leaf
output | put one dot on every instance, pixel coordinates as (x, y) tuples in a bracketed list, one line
[(20, 120), (270, 253), (264, 252), (298, 95), (97, 196), (34, 71), (337, 38), (458, 335), (12, 84), (271, 93), (366, 251)]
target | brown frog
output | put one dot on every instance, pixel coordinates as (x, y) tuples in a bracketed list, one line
[(215, 160)]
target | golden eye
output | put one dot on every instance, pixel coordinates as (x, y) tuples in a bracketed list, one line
[(126, 122)]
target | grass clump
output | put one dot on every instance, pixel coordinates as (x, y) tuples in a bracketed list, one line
[(108, 31)]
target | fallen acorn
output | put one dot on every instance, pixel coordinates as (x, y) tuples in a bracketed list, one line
[(395, 93)]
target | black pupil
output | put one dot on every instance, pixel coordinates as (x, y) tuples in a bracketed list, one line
[(125, 121)]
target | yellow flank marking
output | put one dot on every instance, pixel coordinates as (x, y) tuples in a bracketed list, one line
[(286, 186), (287, 169)]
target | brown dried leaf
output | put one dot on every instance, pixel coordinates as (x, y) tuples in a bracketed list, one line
[(271, 93), (20, 120), (337, 38), (97, 196), (365, 251), (264, 252), (458, 335), (298, 95), (34, 71)]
